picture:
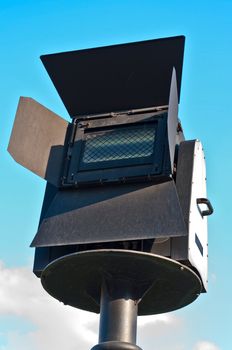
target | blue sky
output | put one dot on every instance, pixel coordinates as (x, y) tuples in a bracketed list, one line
[(29, 29)]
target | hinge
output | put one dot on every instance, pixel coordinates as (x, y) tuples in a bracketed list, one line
[(115, 114)]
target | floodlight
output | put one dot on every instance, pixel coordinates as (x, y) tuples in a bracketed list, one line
[(125, 190)]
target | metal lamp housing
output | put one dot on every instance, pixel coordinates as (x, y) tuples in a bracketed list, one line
[(120, 175)]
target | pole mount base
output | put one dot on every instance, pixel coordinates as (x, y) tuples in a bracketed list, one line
[(76, 279), (116, 345)]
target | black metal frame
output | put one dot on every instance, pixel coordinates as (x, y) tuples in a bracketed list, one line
[(123, 170)]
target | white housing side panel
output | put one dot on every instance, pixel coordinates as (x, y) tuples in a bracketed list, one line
[(198, 236)]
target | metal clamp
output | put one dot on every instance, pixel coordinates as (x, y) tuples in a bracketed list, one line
[(205, 201)]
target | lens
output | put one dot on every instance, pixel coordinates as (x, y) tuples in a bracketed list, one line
[(119, 144)]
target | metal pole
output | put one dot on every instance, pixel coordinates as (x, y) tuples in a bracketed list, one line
[(118, 316)]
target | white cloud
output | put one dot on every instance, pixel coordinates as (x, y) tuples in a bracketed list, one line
[(162, 319), (44, 323), (153, 331), (55, 326), (205, 345)]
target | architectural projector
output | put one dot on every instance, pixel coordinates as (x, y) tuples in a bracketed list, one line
[(123, 227)]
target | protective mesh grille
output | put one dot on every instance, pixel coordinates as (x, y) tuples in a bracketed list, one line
[(119, 144)]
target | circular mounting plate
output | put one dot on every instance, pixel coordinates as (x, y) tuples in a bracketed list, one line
[(76, 279)]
